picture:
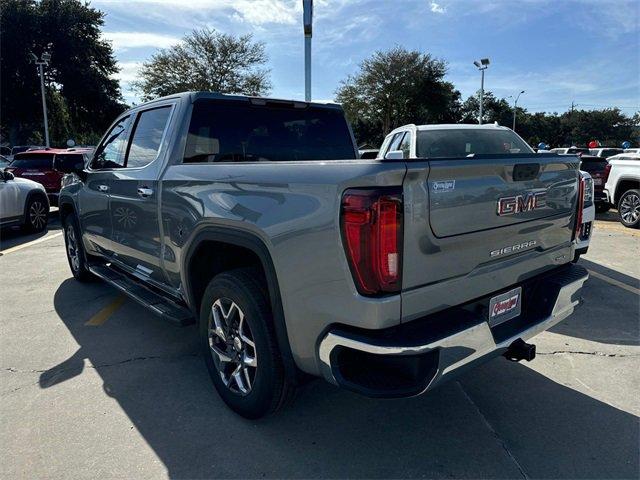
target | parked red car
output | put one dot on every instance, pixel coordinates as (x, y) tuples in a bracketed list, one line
[(598, 168), (37, 165)]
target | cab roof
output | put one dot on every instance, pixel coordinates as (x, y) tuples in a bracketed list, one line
[(449, 126), (194, 96)]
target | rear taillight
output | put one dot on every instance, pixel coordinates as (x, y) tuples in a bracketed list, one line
[(607, 170), (576, 227), (371, 222)]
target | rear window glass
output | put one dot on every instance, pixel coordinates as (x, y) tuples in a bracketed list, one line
[(593, 164), (464, 142), (33, 160), (226, 131), (609, 152)]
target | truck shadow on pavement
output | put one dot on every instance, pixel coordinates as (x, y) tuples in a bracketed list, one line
[(501, 420), (594, 320)]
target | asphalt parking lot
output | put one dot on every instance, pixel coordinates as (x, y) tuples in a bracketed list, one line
[(92, 385)]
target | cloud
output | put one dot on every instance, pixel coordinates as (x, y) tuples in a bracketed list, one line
[(125, 40), (128, 71), (260, 12), (252, 12), (436, 8)]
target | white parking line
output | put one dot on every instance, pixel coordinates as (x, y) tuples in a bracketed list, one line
[(28, 244), (615, 282)]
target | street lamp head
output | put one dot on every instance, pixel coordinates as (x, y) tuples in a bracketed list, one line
[(484, 61), (34, 57), (46, 57), (522, 91), (477, 63)]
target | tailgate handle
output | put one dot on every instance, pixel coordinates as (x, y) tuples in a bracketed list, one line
[(525, 171)]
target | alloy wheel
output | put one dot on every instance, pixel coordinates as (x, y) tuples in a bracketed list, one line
[(630, 208), (232, 346), (72, 248), (37, 215)]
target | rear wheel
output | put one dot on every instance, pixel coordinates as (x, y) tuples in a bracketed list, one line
[(75, 250), (239, 345), (629, 208), (37, 215)]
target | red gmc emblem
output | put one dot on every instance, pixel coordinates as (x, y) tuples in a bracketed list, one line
[(521, 203)]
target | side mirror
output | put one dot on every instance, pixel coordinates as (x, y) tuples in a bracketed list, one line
[(6, 176), (394, 155), (69, 163)]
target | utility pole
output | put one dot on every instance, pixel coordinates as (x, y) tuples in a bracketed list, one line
[(515, 108), (482, 66), (307, 18), (41, 62)]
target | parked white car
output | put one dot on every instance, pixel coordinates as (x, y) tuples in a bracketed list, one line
[(605, 152), (622, 189), (23, 202), (570, 151)]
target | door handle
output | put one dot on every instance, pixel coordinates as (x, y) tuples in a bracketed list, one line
[(145, 192), (103, 188)]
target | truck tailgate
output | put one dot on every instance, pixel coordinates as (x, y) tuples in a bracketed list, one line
[(474, 226)]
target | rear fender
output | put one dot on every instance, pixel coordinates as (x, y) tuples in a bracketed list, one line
[(251, 242)]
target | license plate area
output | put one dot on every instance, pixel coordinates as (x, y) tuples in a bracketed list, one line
[(505, 306)]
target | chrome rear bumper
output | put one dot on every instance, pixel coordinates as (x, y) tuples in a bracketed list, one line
[(428, 351)]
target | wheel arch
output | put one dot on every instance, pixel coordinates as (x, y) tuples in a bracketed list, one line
[(624, 184), (237, 241), (66, 207)]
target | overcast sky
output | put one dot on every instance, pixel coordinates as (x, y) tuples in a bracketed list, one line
[(559, 51)]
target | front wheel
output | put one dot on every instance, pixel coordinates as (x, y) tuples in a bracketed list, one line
[(239, 344), (629, 208), (75, 250)]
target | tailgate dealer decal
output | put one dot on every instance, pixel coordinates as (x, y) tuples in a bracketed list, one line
[(444, 186), (505, 306)]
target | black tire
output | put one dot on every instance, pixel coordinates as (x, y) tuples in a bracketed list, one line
[(268, 389), (36, 213), (629, 208), (75, 250), (602, 207)]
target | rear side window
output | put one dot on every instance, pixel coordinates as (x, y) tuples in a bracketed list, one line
[(40, 161), (147, 136), (110, 153), (465, 142), (227, 131), (405, 145)]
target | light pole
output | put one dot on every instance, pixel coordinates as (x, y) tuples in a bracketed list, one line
[(482, 66), (41, 62), (515, 107), (307, 19)]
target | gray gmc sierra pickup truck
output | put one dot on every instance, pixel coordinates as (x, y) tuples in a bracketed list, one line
[(255, 219)]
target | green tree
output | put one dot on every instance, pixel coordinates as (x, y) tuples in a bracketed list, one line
[(83, 98), (493, 110), (207, 60), (396, 87)]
